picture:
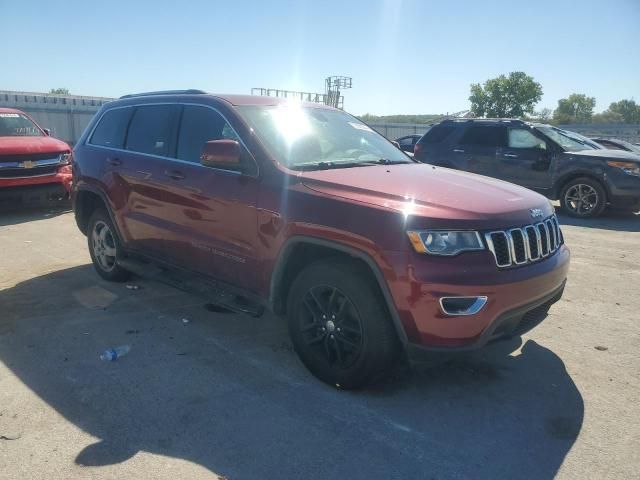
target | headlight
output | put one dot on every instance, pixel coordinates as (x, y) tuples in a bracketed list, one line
[(630, 168), (437, 242), (65, 158)]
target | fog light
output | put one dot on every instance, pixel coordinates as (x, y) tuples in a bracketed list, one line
[(458, 306)]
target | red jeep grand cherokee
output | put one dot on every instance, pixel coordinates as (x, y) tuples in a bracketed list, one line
[(306, 211), (34, 167)]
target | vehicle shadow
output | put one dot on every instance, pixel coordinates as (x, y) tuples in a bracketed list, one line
[(16, 216), (609, 220), (228, 393)]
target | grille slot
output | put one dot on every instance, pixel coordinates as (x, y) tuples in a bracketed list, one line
[(544, 239), (518, 248), (28, 172), (501, 248), (530, 243), (534, 247)]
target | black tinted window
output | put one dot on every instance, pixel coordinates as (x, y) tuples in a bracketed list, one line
[(110, 131), (437, 134), (485, 135), (405, 142), (200, 125), (153, 130)]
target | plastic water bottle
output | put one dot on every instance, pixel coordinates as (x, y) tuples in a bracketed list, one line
[(112, 354)]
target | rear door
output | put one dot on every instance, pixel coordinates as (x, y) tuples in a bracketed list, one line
[(475, 151), (525, 160)]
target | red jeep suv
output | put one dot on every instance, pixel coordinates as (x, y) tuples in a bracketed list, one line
[(302, 209), (34, 168)]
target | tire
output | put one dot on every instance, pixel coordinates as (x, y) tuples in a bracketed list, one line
[(105, 248), (339, 326), (583, 197)]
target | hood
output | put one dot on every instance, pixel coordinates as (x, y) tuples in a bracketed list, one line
[(608, 154), (421, 190), (26, 145)]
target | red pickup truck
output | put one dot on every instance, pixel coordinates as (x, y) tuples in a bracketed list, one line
[(34, 167)]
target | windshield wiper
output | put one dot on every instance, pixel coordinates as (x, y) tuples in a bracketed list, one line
[(386, 161), (327, 165)]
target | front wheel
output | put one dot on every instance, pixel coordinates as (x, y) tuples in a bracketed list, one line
[(105, 247), (338, 325), (583, 198)]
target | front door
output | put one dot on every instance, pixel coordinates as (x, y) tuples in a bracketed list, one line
[(213, 209)]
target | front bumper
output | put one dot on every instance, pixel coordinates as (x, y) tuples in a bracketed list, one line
[(36, 191), (419, 282), (623, 189)]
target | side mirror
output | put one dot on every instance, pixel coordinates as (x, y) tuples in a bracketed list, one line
[(47, 132), (397, 145), (224, 154)]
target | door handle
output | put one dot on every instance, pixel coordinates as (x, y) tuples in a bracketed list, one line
[(510, 155), (114, 161), (458, 150), (174, 174)]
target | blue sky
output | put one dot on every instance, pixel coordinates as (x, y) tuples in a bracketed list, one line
[(405, 56)]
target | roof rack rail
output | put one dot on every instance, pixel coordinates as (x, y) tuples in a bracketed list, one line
[(191, 91)]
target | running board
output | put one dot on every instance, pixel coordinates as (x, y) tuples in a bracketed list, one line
[(208, 290)]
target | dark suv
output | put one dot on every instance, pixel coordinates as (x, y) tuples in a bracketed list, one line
[(302, 209), (560, 164)]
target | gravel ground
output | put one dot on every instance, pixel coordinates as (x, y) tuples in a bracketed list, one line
[(223, 395)]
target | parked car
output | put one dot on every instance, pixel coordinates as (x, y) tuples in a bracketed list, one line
[(34, 167), (617, 144), (557, 163), (408, 142), (306, 211)]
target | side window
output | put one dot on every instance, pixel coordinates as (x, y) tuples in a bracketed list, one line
[(153, 130), (519, 138), (199, 126), (485, 136), (406, 142), (111, 129), (438, 133)]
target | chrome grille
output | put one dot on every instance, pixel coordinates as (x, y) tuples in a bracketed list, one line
[(520, 246)]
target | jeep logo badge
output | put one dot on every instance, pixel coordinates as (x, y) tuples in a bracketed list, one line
[(535, 212)]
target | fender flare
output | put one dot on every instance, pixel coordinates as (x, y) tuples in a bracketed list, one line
[(562, 181), (287, 249), (96, 191)]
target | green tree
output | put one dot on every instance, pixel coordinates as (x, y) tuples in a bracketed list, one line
[(505, 96), (607, 117), (627, 109), (578, 108), (59, 91)]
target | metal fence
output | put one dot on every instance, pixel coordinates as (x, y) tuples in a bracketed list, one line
[(65, 115), (397, 130)]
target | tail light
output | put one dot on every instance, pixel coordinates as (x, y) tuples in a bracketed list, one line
[(417, 148)]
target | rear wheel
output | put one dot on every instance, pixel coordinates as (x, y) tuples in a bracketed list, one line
[(338, 325), (583, 198), (105, 247)]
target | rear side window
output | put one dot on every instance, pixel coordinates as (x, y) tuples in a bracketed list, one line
[(437, 133), (485, 135), (153, 130), (199, 126), (111, 129)]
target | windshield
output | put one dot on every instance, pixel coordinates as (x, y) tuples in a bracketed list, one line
[(307, 138), (569, 141), (17, 125)]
